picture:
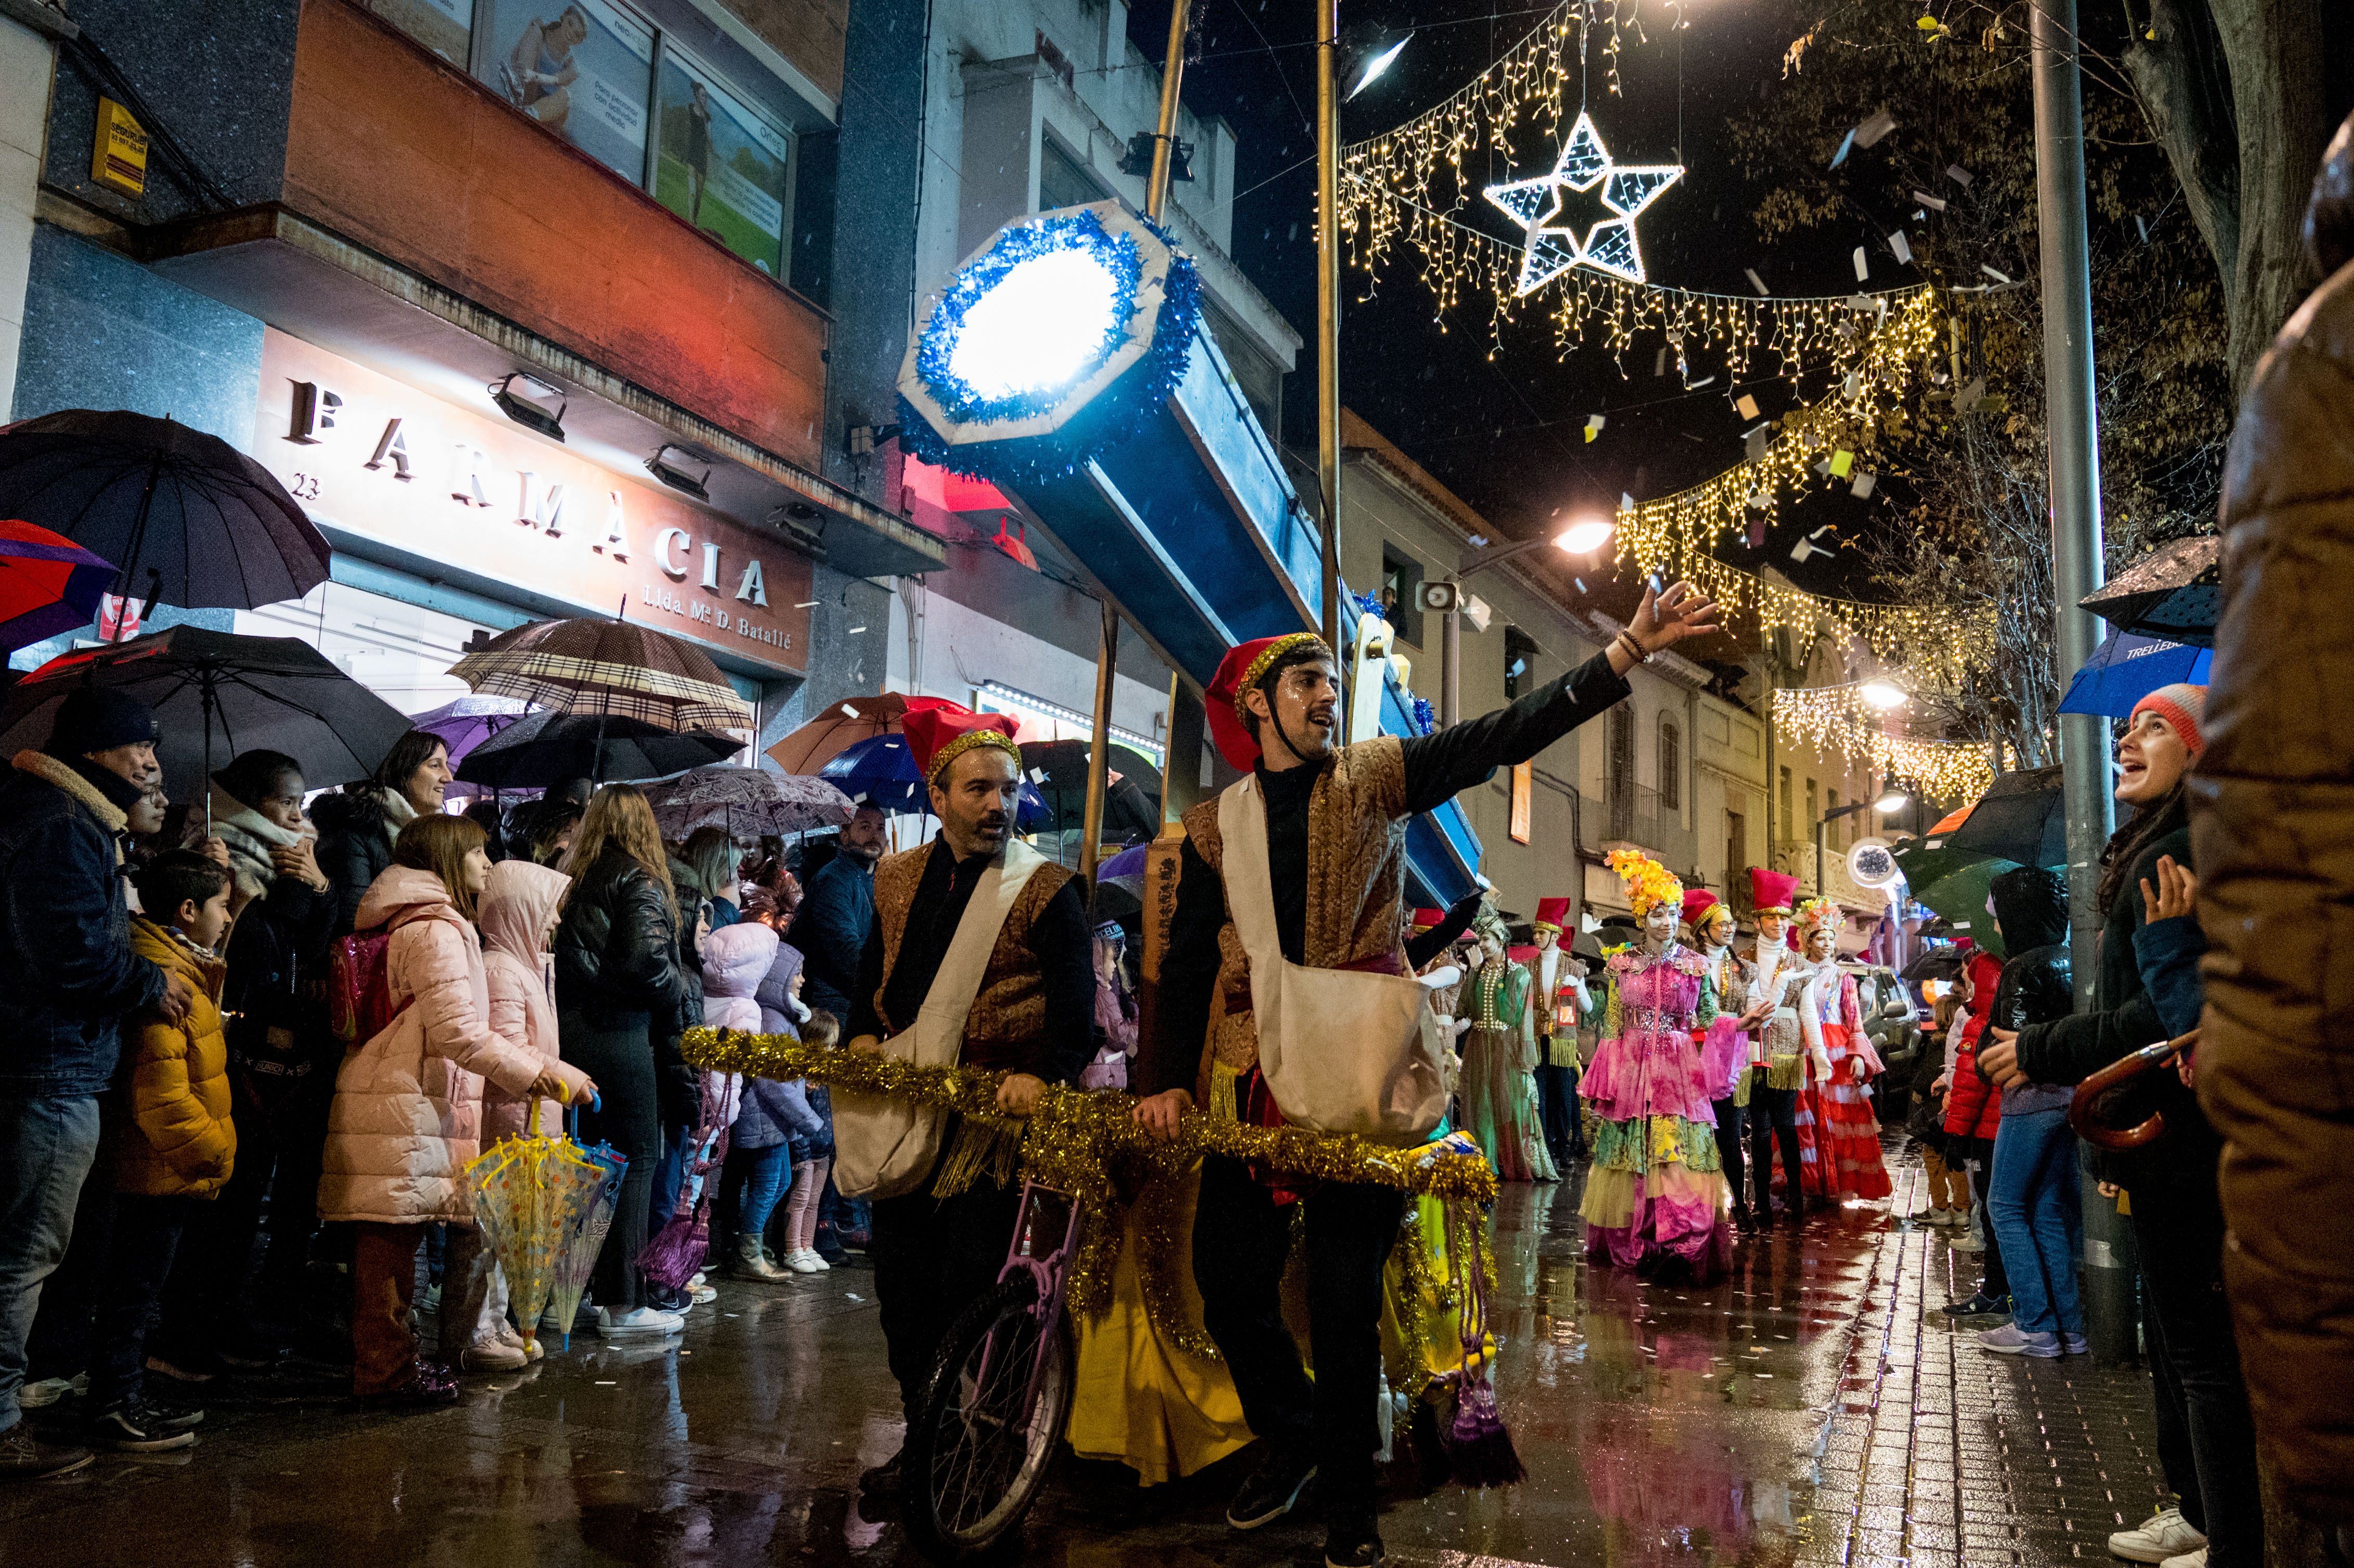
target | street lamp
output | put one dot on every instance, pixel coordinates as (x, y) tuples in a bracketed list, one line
[(1890, 799), (1582, 538), (1885, 696), (1376, 55)]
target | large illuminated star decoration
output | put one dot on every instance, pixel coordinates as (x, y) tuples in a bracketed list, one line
[(1609, 246)]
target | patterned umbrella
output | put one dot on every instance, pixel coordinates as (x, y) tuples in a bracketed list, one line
[(534, 1197), (608, 669), (470, 721), (752, 800)]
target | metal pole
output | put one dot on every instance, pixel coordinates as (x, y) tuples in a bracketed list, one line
[(2076, 570), (1099, 751), (2075, 456), (1328, 305), (1173, 74), (1450, 688)]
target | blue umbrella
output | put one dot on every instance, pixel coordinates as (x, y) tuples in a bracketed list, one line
[(881, 772), (2126, 668)]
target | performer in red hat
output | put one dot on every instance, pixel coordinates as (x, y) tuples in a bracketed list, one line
[(980, 956), (1560, 990), (1777, 1064), (1317, 831)]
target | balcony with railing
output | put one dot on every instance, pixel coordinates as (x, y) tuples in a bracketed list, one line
[(1636, 814)]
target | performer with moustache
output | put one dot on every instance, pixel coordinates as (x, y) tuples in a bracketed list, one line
[(1000, 933), (1334, 826)]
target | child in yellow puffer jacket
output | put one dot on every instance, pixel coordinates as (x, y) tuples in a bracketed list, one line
[(168, 1146)]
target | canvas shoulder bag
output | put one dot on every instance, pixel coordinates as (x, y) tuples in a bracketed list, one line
[(1341, 1051), (884, 1147)]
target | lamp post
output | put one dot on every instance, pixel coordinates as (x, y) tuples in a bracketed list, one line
[(1328, 305)]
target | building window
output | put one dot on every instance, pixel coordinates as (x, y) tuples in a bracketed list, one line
[(1785, 803), (1831, 803), (597, 74), (1521, 667), (1400, 595), (1672, 767), (1736, 857), (445, 26), (1063, 180), (1620, 783), (1813, 815)]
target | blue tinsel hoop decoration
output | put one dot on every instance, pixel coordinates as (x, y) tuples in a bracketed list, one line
[(1055, 342)]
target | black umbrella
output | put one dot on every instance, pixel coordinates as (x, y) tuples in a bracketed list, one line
[(541, 750), (215, 695), (2171, 593), (189, 519), (1058, 768), (2021, 818), (1943, 962)]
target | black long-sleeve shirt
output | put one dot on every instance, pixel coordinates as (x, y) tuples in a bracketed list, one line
[(1437, 768), (1058, 938), (1420, 950)]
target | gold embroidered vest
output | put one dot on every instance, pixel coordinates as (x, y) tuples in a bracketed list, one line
[(1356, 885), (1010, 1013)]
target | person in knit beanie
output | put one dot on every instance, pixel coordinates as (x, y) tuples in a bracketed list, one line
[(2183, 706)]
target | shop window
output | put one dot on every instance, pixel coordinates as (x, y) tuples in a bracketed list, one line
[(1520, 663), (607, 81), (1672, 767), (1063, 180), (720, 164)]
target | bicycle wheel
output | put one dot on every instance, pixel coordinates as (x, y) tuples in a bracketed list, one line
[(997, 1407)]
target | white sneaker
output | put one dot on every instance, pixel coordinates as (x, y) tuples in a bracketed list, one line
[(698, 1281), (49, 1389), (638, 1322), (2188, 1560), (806, 1261), (702, 1293), (2162, 1538)]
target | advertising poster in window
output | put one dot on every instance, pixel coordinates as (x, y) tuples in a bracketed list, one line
[(1523, 787), (720, 166), (445, 26), (583, 69)]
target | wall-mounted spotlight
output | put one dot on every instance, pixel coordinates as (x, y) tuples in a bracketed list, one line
[(526, 412), (677, 478)]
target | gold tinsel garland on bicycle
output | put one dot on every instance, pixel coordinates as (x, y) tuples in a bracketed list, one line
[(1071, 1143)]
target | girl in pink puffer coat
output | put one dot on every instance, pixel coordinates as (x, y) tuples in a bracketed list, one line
[(407, 1115)]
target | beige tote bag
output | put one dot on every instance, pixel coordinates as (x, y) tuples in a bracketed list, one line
[(1341, 1051), (884, 1147)]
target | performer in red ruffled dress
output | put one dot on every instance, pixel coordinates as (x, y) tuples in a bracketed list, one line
[(1834, 1114)]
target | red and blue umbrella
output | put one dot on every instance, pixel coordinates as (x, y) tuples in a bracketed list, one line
[(2127, 667), (49, 584)]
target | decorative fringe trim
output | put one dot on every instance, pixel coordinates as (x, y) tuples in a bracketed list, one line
[(981, 1150)]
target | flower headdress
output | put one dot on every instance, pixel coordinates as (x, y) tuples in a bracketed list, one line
[(1818, 915), (1646, 881)]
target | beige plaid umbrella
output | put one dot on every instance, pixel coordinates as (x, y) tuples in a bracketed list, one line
[(609, 668)]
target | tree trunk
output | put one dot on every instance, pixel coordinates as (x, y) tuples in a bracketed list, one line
[(2233, 89)]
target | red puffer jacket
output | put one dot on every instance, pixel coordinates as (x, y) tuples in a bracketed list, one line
[(1973, 1110)]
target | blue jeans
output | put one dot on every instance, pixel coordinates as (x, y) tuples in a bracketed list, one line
[(765, 1183), (138, 1260), (47, 1145), (2032, 1201)]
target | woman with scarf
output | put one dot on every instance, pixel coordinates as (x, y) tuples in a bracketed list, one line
[(281, 1063)]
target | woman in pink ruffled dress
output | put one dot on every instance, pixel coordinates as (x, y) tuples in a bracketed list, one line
[(1655, 1197)]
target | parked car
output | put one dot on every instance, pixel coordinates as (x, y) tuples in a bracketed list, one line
[(1890, 1016)]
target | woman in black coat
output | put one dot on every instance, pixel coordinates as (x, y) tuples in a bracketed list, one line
[(357, 826), (618, 1013), (2206, 1437)]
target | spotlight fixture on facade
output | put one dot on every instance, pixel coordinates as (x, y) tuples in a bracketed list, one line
[(522, 410), (677, 478)]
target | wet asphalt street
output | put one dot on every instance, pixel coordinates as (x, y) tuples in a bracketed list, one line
[(1813, 1408)]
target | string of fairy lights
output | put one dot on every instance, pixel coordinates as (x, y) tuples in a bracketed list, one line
[(1841, 719)]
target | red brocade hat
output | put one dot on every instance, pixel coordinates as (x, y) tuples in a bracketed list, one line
[(938, 736), (1772, 892), (1427, 919), (1551, 913), (1238, 671), (1698, 901)]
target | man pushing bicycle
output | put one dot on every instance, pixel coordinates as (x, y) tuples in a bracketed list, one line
[(981, 956), (1284, 996)]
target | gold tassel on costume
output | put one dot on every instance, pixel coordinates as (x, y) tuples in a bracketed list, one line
[(979, 1151)]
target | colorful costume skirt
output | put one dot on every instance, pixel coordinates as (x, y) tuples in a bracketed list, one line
[(1839, 1136), (1655, 1190), (1499, 1097)]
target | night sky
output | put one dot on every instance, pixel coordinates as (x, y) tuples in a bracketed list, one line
[(1507, 433)]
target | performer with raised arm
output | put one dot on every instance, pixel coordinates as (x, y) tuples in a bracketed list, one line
[(980, 956), (1293, 873)]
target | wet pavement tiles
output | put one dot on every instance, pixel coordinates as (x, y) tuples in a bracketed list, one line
[(1813, 1408)]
